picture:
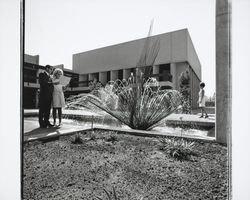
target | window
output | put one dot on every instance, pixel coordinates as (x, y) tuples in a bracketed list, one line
[(108, 76), (164, 72), (120, 74)]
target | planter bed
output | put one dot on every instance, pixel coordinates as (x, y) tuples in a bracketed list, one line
[(134, 166)]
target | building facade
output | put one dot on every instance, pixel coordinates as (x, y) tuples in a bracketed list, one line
[(176, 55)]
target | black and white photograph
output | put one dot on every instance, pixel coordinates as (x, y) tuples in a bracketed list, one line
[(126, 100)]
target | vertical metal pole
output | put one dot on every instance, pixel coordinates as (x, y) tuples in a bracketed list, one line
[(92, 122)]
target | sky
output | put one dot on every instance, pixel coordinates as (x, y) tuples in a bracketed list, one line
[(55, 30)]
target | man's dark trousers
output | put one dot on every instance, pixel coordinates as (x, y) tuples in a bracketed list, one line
[(44, 112), (45, 99)]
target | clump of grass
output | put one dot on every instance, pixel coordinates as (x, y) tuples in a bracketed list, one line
[(77, 139), (179, 149), (112, 138), (111, 195), (92, 137)]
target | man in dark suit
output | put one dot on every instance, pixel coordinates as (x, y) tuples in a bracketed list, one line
[(45, 97)]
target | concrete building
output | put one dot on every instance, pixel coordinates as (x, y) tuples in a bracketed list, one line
[(176, 54), (30, 81)]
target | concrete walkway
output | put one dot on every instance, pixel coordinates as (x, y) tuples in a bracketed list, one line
[(176, 119), (33, 132)]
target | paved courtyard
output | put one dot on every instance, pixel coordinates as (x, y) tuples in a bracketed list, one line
[(33, 132)]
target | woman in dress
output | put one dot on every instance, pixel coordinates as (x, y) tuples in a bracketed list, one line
[(202, 101), (58, 101)]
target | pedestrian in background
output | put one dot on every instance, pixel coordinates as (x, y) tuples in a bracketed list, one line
[(202, 100)]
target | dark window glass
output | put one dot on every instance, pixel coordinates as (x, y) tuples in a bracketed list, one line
[(29, 75), (164, 72), (108, 76), (120, 74)]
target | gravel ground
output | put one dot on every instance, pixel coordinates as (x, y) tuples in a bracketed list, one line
[(134, 166)]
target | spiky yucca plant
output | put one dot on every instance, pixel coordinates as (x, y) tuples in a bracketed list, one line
[(138, 110), (139, 103)]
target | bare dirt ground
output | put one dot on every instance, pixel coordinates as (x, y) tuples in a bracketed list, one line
[(134, 166)]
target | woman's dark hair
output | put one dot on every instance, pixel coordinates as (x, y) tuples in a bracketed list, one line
[(202, 84), (48, 66)]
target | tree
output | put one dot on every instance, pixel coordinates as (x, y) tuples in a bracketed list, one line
[(184, 83)]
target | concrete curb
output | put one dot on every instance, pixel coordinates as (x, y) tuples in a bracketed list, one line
[(134, 132)]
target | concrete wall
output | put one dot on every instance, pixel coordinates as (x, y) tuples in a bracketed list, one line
[(174, 76), (192, 57), (194, 81), (83, 77), (174, 47), (194, 85), (31, 59), (61, 66)]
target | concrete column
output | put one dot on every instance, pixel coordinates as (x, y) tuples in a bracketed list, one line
[(114, 75), (103, 77), (174, 76), (37, 98), (126, 74), (156, 71), (138, 73), (91, 77), (223, 71)]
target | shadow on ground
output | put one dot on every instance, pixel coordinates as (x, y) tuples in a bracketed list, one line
[(41, 130)]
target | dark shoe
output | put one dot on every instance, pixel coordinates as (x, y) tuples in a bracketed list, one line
[(201, 116), (206, 116)]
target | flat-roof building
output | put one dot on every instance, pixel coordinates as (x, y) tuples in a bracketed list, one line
[(176, 55)]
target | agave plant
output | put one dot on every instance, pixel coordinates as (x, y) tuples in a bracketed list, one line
[(138, 108), (139, 103), (179, 149)]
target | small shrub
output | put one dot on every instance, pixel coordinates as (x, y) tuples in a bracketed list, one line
[(77, 139), (92, 137), (110, 196), (184, 84), (112, 138), (179, 149)]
